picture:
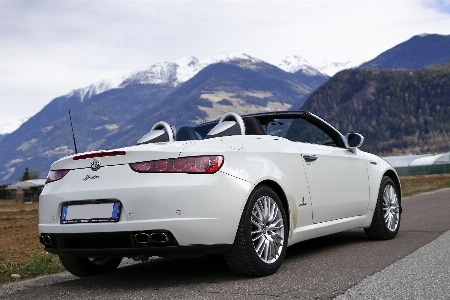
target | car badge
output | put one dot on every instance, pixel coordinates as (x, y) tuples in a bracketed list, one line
[(96, 164)]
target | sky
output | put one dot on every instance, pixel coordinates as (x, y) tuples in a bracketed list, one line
[(50, 47)]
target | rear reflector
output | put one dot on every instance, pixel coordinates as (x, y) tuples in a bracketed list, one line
[(193, 165), (56, 175), (99, 154)]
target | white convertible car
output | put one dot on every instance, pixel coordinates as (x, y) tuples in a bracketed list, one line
[(245, 187)]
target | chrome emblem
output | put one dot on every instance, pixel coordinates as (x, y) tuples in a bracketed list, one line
[(96, 164)]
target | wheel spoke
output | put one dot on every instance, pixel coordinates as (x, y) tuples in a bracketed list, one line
[(272, 249), (266, 209), (260, 243), (273, 226), (256, 217), (273, 212), (260, 208), (259, 225), (266, 250), (257, 234), (389, 221), (277, 239)]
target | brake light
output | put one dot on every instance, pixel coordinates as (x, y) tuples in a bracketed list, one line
[(56, 175), (99, 154), (193, 165)]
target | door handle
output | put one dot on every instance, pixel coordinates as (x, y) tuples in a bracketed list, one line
[(309, 157)]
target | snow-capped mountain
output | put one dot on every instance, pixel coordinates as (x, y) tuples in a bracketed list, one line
[(187, 68), (169, 73), (294, 64), (241, 59), (159, 73), (184, 69), (91, 90), (6, 128), (331, 68)]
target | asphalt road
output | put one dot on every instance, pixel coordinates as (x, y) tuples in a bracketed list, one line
[(345, 265)]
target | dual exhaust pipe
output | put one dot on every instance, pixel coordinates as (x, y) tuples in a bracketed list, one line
[(154, 237)]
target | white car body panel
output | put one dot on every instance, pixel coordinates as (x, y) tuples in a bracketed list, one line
[(338, 182)]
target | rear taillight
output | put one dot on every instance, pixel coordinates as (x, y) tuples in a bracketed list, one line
[(194, 164), (56, 175)]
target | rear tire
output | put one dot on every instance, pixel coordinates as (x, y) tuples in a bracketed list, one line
[(261, 239), (84, 267), (386, 217)]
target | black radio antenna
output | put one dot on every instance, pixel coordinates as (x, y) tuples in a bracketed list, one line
[(73, 135)]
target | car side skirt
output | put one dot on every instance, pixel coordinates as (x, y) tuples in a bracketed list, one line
[(325, 228)]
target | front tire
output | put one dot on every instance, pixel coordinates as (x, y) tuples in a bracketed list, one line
[(84, 267), (261, 239), (386, 217)]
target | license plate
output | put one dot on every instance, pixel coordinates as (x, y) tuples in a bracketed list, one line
[(90, 213)]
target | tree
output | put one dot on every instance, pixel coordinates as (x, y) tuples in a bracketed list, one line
[(30, 174)]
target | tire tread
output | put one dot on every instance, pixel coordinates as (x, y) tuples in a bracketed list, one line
[(83, 267)]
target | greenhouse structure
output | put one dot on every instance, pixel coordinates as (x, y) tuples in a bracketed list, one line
[(412, 165)]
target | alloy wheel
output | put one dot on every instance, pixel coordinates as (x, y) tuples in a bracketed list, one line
[(391, 209), (267, 229)]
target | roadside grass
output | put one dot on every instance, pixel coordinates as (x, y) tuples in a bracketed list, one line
[(43, 264), (20, 219), (413, 185)]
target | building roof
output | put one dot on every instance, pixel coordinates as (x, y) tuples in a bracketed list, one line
[(402, 161), (26, 184), (431, 160)]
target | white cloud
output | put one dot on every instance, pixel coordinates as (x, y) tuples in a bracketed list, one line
[(50, 47)]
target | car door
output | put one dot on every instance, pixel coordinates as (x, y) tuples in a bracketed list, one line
[(337, 178)]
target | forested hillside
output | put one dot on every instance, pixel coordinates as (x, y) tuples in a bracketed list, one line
[(397, 111)]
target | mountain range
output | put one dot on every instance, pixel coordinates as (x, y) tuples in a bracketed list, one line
[(112, 114), (398, 111), (176, 73), (419, 52)]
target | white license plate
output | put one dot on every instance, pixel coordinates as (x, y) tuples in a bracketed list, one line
[(90, 213)]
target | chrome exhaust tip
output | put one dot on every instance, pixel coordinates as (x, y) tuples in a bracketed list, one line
[(160, 237), (46, 240), (142, 238)]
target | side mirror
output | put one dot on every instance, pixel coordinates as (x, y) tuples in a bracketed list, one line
[(354, 141)]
